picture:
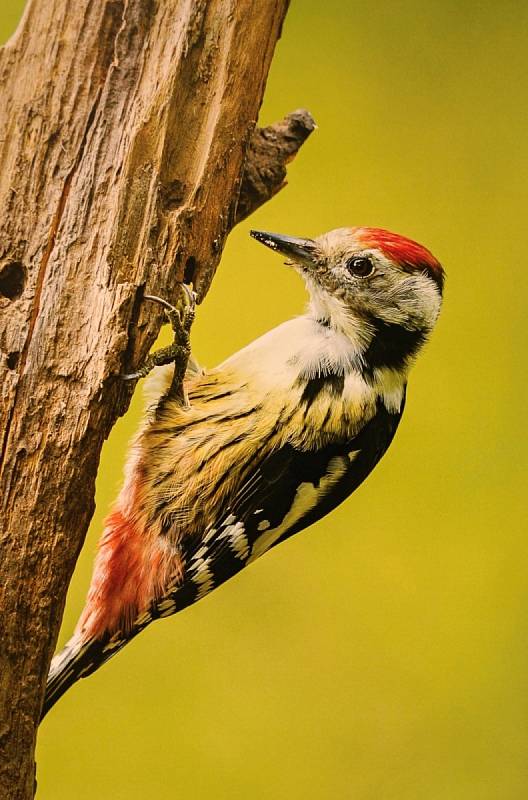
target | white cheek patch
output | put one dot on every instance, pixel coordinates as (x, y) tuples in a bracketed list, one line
[(414, 302), (428, 299)]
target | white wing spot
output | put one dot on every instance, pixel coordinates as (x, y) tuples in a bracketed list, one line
[(203, 577), (200, 553), (211, 533), (167, 607), (236, 536), (264, 525), (306, 498)]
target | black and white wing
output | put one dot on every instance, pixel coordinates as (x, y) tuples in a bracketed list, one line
[(288, 491)]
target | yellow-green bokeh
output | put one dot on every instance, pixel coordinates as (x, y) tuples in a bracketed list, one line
[(382, 655)]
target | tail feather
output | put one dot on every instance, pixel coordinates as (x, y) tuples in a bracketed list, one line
[(77, 660)]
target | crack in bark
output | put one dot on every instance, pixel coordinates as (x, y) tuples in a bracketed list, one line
[(41, 274)]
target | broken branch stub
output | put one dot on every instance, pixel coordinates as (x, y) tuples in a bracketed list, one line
[(270, 150)]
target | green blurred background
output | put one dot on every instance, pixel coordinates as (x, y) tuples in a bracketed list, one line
[(383, 655)]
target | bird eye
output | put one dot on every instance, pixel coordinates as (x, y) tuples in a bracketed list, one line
[(361, 266)]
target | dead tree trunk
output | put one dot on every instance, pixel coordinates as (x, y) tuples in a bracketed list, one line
[(124, 126)]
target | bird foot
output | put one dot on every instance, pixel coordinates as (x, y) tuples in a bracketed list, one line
[(177, 353)]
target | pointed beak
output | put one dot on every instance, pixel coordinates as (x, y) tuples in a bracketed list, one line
[(302, 251)]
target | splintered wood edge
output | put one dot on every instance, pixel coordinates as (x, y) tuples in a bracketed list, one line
[(269, 151)]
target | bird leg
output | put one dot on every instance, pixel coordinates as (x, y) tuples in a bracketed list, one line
[(181, 320)]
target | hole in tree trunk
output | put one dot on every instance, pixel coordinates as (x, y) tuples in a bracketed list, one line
[(190, 269), (12, 280), (12, 360)]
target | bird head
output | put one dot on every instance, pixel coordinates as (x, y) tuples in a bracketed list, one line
[(364, 281)]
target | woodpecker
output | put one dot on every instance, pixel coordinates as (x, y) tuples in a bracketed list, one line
[(265, 444)]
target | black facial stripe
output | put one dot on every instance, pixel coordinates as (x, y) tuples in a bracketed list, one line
[(391, 345)]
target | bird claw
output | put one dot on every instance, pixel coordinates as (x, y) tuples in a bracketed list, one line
[(178, 352), (178, 318)]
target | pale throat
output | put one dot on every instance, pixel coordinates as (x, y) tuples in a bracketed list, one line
[(331, 312)]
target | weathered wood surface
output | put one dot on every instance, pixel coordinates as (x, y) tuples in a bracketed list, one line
[(124, 126)]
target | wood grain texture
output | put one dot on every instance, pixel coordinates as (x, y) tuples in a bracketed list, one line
[(124, 127)]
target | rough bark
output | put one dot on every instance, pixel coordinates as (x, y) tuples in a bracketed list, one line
[(124, 126)]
